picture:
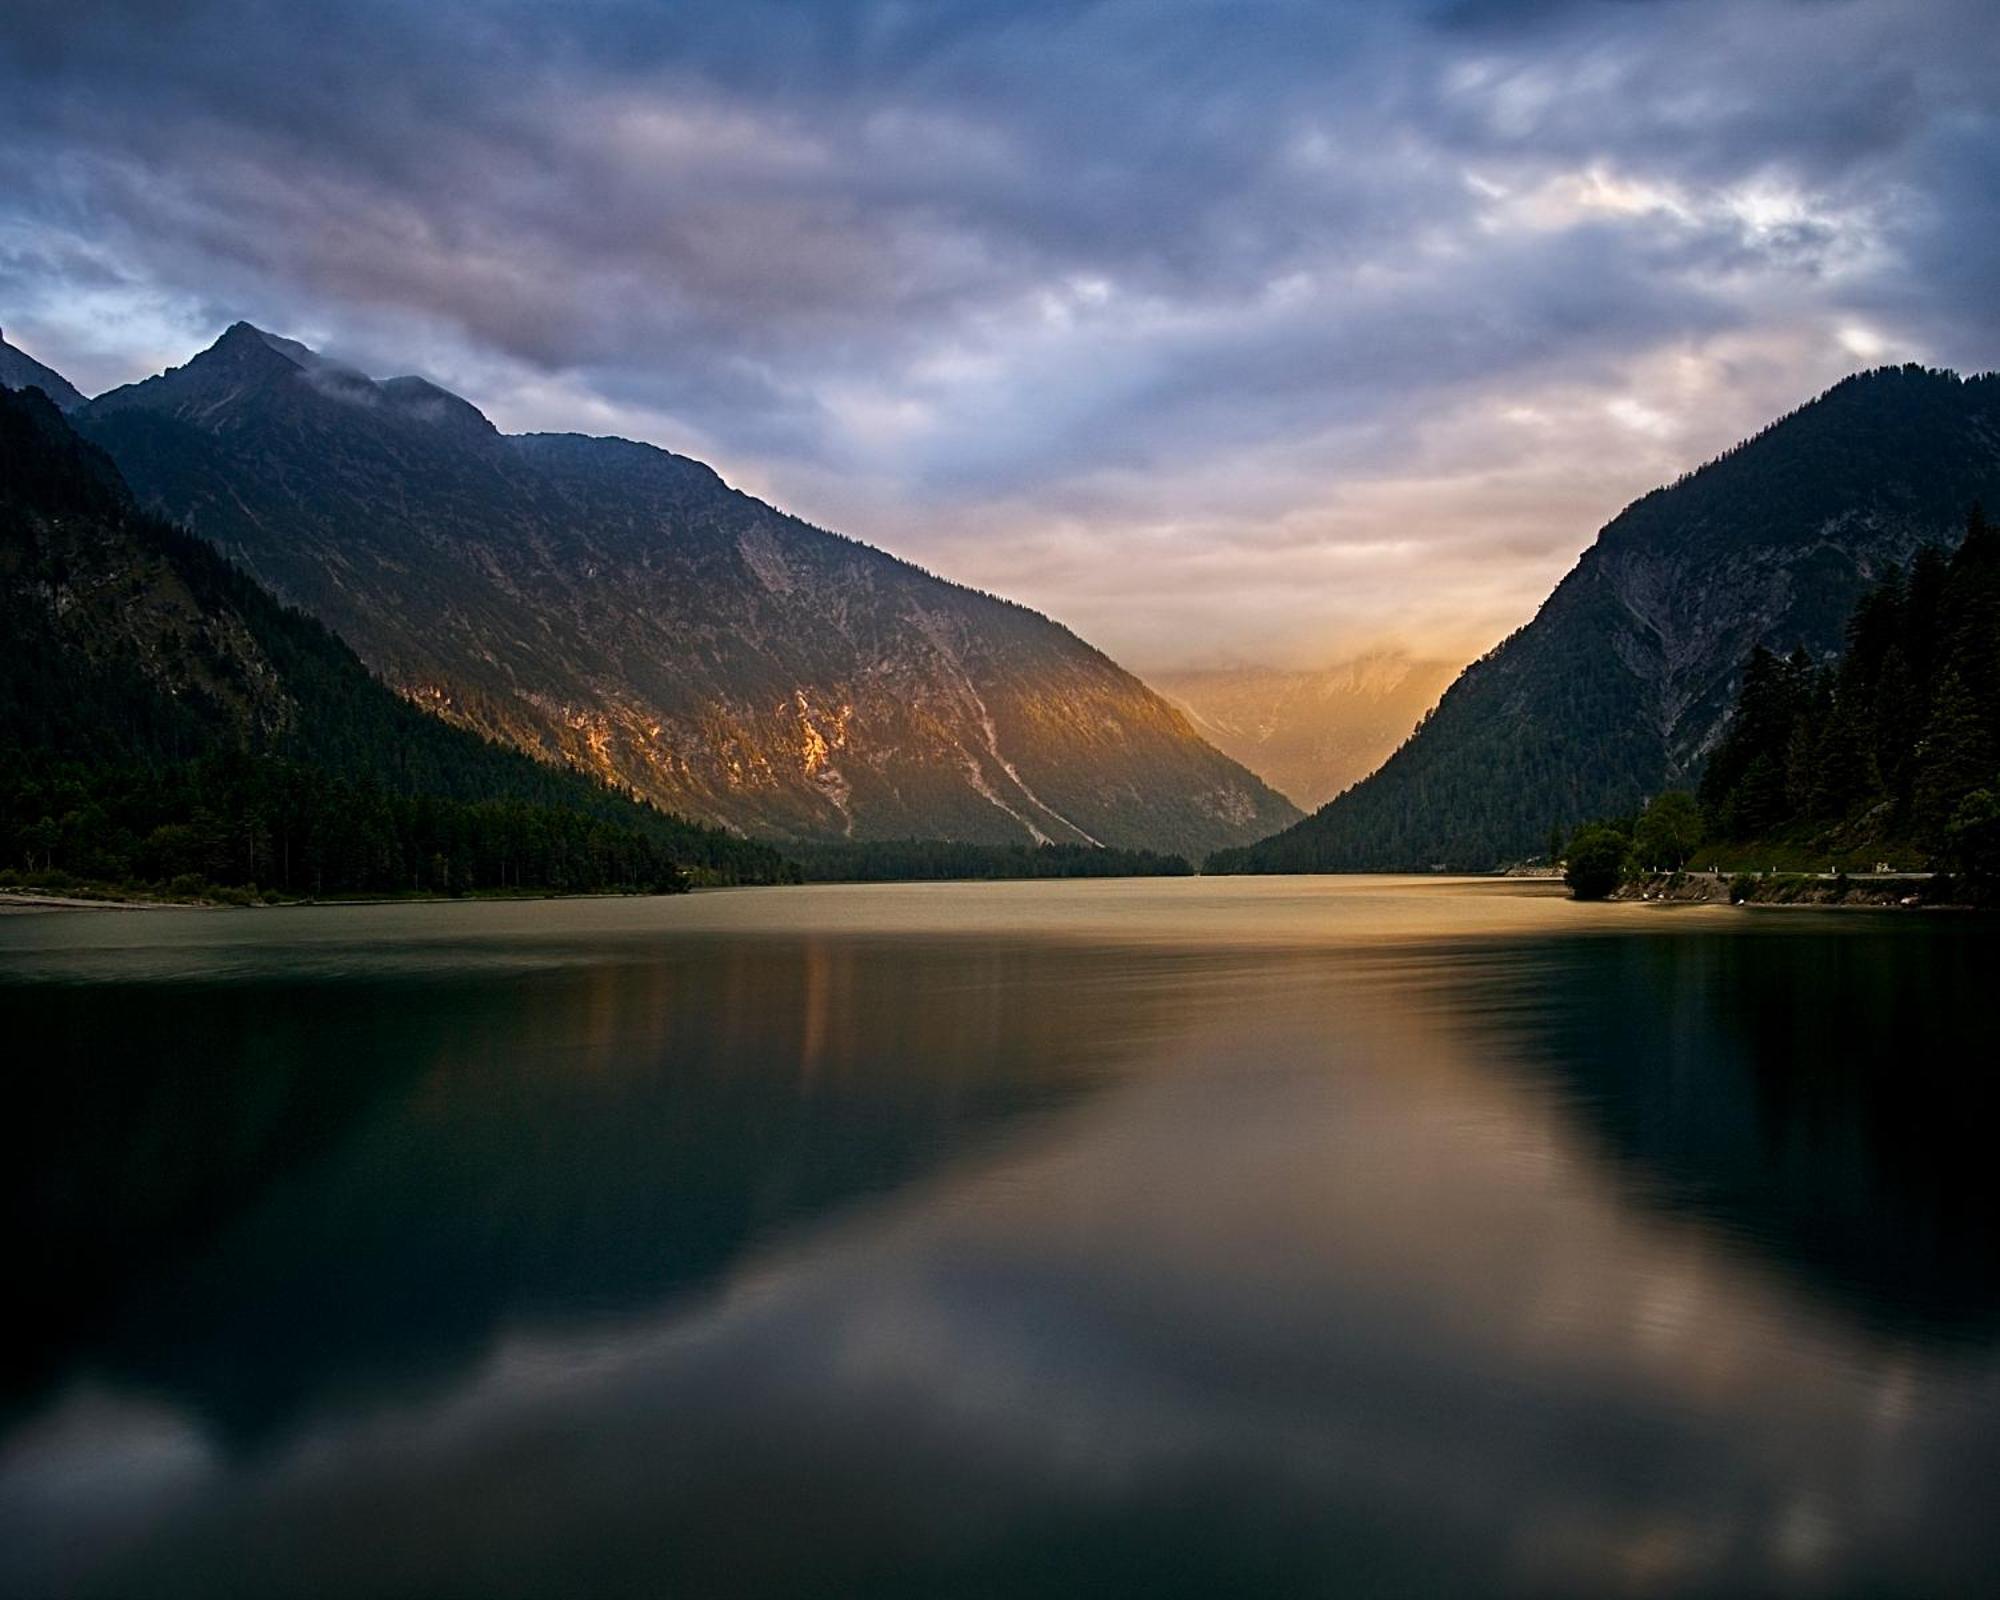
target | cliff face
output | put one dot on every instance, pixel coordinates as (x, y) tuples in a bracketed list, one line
[(1621, 685), (619, 607)]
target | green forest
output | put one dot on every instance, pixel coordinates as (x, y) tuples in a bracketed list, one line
[(168, 726), (1893, 748), (233, 826), (1562, 721), (1888, 754)]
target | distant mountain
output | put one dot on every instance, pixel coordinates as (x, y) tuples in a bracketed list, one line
[(1621, 685), (1311, 734), (146, 684), (611, 604), (19, 370)]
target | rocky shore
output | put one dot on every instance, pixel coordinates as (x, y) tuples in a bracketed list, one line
[(1901, 890)]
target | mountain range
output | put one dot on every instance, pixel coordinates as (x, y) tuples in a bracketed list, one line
[(1622, 684), (1311, 733), (611, 607), (160, 714), (618, 608)]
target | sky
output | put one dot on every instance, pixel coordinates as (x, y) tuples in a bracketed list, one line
[(1250, 332)]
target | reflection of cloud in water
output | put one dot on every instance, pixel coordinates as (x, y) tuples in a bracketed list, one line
[(365, 1188), (101, 1468), (1320, 1295)]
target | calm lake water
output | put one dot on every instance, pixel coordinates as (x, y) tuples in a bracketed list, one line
[(1335, 1236)]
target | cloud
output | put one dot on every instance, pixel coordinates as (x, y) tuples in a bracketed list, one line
[(1048, 296)]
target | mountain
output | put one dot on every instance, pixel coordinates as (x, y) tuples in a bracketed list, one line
[(19, 370), (1877, 755), (1310, 734), (1621, 685), (611, 604), (148, 685)]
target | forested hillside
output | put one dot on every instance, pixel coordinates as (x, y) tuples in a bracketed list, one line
[(162, 718), (618, 608), (1884, 747), (1621, 685)]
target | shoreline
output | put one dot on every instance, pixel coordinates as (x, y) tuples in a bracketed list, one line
[(24, 901), (20, 902), (1777, 891)]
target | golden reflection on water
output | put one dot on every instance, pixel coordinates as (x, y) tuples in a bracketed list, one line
[(867, 1236)]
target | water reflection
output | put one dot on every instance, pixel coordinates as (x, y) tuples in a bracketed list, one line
[(1824, 1099), (775, 1261), (285, 1194)]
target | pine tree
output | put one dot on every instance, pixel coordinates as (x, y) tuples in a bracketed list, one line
[(1955, 757)]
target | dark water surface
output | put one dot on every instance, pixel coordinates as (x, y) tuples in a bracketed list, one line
[(1339, 1236)]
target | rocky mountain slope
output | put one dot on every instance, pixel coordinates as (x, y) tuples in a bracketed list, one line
[(19, 370), (613, 605), (1310, 734), (1620, 686), (129, 646)]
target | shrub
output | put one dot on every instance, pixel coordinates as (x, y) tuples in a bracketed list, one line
[(1596, 862)]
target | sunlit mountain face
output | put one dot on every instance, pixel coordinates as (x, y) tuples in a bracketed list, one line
[(1311, 734), (189, 725), (609, 606)]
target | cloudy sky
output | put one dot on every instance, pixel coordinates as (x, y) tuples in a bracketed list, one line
[(1224, 330)]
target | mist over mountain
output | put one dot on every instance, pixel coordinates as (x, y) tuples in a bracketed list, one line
[(611, 605), (1311, 734), (1621, 685)]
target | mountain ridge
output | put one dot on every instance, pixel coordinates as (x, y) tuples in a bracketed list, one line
[(616, 606), (148, 683), (1620, 685), (1310, 733), (19, 370)]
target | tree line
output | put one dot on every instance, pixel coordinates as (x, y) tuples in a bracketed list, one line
[(1892, 743), (1892, 748), (919, 860), (248, 824)]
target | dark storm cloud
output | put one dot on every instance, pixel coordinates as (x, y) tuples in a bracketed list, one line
[(961, 275)]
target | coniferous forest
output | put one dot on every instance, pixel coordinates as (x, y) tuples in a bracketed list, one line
[(165, 724), (1621, 685), (927, 860), (1895, 744)]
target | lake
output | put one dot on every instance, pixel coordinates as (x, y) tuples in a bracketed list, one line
[(1210, 1236)]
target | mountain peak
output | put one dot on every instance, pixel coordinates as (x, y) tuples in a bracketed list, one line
[(609, 605), (236, 335), (1621, 685), (19, 370), (245, 343), (420, 400), (245, 360)]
